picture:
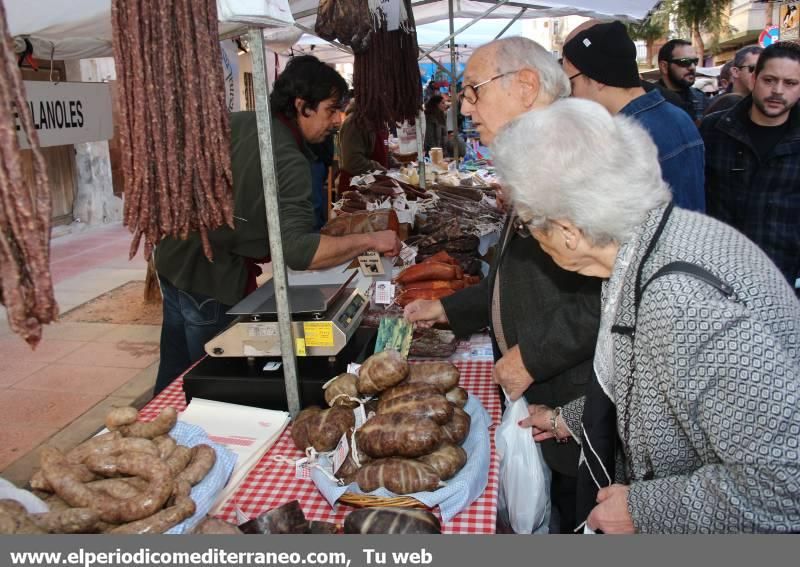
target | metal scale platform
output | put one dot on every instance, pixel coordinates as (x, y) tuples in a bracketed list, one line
[(244, 364)]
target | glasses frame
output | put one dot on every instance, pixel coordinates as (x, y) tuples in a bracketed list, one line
[(681, 62), (463, 94)]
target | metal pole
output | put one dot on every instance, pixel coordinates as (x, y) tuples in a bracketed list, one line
[(511, 23), (264, 119), (499, 4), (421, 149), (453, 81)]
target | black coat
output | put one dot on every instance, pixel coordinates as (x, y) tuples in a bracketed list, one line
[(553, 314)]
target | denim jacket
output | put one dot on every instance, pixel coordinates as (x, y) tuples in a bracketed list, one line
[(680, 148)]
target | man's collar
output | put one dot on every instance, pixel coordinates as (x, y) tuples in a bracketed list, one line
[(643, 102)]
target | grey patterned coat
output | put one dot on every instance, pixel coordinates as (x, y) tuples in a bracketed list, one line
[(708, 391)]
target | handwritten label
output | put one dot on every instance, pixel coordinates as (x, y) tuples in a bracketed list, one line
[(370, 264), (408, 254), (384, 292), (318, 333), (340, 453)]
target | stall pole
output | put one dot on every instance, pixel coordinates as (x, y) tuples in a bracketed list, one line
[(453, 81), (511, 23), (264, 120), (421, 149)]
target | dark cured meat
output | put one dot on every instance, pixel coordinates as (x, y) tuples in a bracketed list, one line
[(401, 476), (391, 521), (396, 435)]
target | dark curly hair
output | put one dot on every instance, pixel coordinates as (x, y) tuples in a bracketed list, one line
[(310, 79), (778, 50)]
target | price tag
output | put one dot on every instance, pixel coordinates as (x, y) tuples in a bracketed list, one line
[(300, 346), (361, 415), (405, 216), (408, 254), (318, 333), (384, 292), (340, 453), (353, 368), (302, 469), (370, 264)]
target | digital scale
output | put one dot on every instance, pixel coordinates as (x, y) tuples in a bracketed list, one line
[(244, 364)]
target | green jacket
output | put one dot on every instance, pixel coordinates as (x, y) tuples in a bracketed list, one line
[(357, 144), (183, 263)]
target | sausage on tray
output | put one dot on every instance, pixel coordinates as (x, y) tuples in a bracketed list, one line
[(161, 425), (163, 520), (457, 429), (381, 371), (405, 389), (430, 271), (401, 476), (442, 375), (396, 435), (203, 459), (342, 391), (457, 396), (111, 510), (69, 521), (120, 416), (447, 460), (391, 521), (420, 404)]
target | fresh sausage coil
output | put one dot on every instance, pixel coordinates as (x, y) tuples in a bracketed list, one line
[(163, 520), (161, 425), (120, 416), (203, 459)]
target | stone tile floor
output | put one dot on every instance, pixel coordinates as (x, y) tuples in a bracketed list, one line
[(59, 393)]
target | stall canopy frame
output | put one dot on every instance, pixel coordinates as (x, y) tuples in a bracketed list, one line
[(82, 29)]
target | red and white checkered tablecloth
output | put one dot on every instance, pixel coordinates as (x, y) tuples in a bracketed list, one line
[(272, 481)]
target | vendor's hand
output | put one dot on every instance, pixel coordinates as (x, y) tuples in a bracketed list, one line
[(511, 374), (425, 312), (611, 514), (385, 242), (540, 421)]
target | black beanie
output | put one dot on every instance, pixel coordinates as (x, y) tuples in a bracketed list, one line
[(605, 53)]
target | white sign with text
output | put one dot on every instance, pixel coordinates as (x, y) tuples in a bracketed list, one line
[(68, 113)]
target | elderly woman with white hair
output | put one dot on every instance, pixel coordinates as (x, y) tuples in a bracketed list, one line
[(699, 343)]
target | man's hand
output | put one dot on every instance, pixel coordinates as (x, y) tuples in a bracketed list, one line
[(385, 242), (540, 420), (425, 312), (611, 513), (510, 373)]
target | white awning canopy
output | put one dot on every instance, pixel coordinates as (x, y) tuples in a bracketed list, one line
[(80, 29)]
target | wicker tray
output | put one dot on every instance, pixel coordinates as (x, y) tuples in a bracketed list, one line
[(370, 501)]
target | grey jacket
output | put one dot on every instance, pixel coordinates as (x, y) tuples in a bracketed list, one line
[(707, 390)]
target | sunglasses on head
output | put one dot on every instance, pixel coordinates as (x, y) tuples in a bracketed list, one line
[(685, 61)]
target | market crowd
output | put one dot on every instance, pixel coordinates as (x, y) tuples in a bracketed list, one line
[(644, 295), (644, 300)]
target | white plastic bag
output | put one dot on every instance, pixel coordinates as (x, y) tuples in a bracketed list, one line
[(524, 495)]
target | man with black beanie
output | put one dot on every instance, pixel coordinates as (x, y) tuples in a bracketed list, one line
[(600, 62)]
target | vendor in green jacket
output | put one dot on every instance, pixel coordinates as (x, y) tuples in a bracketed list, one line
[(305, 103)]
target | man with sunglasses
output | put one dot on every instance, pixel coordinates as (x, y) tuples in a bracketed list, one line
[(753, 160), (677, 63), (744, 65), (543, 320)]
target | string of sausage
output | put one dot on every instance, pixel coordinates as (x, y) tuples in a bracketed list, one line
[(386, 80), (174, 127), (26, 288)]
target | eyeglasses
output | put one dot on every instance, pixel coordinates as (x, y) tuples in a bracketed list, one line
[(685, 61), (470, 92), (578, 74), (750, 68)]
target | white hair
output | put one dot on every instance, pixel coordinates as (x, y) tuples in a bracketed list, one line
[(574, 161), (516, 52)]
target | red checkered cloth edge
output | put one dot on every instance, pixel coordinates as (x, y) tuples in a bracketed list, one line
[(272, 481)]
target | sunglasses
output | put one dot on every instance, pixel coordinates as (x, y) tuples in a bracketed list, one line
[(685, 61), (750, 68)]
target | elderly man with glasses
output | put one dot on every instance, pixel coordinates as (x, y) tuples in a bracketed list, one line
[(543, 320), (677, 63)]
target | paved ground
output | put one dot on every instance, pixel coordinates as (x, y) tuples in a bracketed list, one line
[(59, 393)]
